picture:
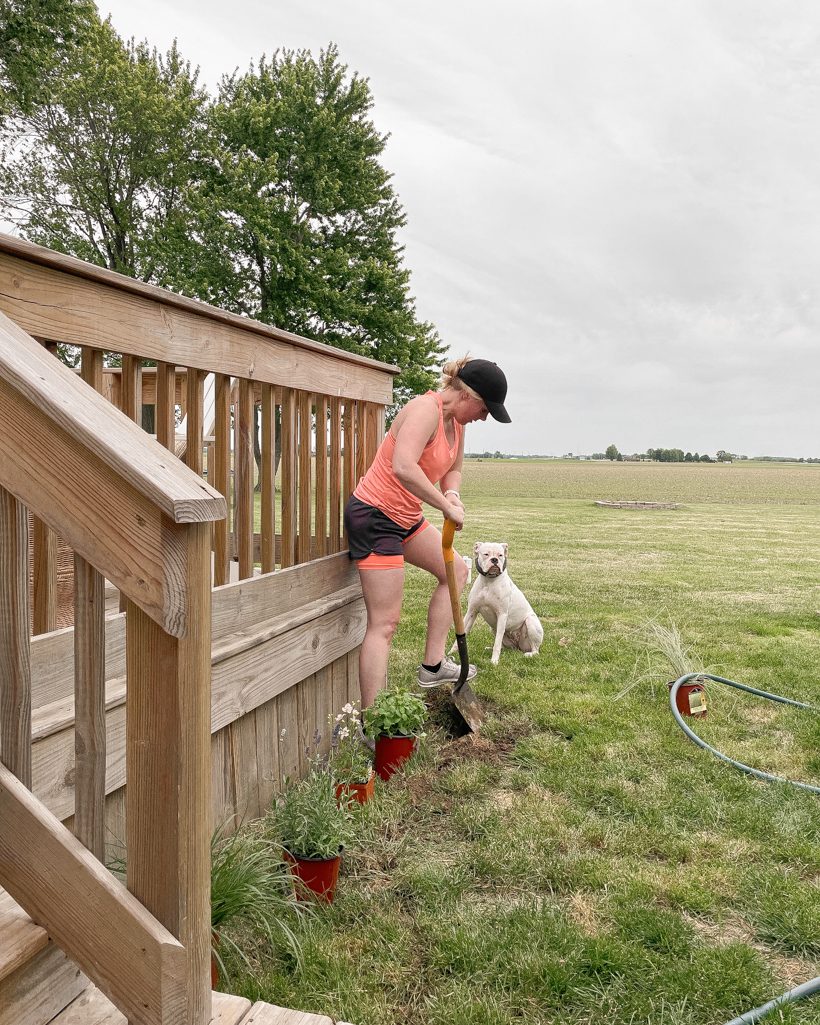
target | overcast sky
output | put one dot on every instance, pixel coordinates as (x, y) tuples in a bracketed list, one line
[(616, 200)]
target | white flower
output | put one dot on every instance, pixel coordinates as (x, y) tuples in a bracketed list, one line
[(339, 717), (348, 708), (344, 734)]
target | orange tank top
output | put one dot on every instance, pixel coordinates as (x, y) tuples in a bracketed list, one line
[(382, 488)]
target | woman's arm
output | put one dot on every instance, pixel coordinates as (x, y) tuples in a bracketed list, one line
[(419, 424), (451, 481)]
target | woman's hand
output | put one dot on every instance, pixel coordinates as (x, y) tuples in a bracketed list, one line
[(455, 512)]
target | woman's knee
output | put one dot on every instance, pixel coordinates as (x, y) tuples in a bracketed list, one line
[(462, 572), (384, 625)]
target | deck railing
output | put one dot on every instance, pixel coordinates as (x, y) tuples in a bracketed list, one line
[(74, 468), (143, 522), (322, 409)]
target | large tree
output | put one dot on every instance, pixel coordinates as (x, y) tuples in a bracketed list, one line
[(99, 164), (296, 219)]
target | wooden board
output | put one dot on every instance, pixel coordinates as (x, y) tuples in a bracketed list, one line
[(20, 937), (116, 442), (243, 605), (35, 993), (254, 676), (15, 657), (66, 300), (269, 1014)]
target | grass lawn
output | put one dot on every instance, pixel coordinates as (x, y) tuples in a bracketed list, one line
[(582, 861)]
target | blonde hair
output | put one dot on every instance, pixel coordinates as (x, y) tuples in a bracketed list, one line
[(449, 378)]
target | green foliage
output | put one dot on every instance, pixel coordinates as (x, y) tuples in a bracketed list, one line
[(611, 453), (250, 883), (350, 760), (269, 200), (395, 713), (294, 221), (35, 38), (307, 820), (100, 168)]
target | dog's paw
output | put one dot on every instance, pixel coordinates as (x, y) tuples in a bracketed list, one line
[(495, 660), (529, 654)]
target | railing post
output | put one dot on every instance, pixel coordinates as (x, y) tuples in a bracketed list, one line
[(15, 647), (222, 475), (168, 736)]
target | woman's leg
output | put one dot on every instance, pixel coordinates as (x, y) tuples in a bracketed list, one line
[(382, 590), (424, 550)]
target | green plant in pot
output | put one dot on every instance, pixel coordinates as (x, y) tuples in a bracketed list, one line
[(312, 827), (351, 763), (395, 719)]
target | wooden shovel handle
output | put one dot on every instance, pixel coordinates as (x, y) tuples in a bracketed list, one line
[(447, 535)]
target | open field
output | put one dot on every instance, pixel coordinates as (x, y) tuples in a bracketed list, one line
[(582, 861)]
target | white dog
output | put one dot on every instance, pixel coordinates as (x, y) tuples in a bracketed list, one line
[(502, 604)]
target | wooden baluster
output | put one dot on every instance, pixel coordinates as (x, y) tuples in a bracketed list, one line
[(288, 464), (243, 479), (89, 673), (44, 601), (361, 440), (268, 446), (222, 477), (89, 707), (349, 454), (168, 756), (15, 646), (374, 414), (334, 524), (165, 407), (321, 476), (132, 388), (131, 399), (305, 475), (194, 428), (45, 577)]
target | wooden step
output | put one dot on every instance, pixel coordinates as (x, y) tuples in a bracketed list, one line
[(20, 938), (92, 1008), (269, 1014)]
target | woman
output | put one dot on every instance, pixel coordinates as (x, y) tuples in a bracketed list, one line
[(384, 521)]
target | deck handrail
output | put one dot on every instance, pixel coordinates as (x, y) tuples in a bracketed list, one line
[(53, 297), (136, 515)]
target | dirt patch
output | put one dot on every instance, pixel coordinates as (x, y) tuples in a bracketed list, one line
[(581, 910), (473, 747)]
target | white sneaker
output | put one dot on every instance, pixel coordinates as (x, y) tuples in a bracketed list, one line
[(448, 672)]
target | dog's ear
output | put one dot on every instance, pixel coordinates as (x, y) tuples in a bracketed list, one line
[(476, 547), (504, 546)]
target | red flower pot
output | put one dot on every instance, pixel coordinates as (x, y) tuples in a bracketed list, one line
[(361, 792), (391, 753), (214, 965), (690, 699), (317, 876)]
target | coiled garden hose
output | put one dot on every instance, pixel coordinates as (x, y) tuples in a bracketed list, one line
[(813, 985)]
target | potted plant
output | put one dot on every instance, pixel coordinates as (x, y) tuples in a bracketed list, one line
[(395, 719), (308, 822), (351, 763), (249, 883), (666, 643)]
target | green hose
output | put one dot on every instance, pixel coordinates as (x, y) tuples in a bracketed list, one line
[(807, 988)]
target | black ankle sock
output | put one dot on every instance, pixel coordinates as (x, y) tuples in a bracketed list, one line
[(432, 669)]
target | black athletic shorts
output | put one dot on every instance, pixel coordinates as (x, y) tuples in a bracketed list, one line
[(373, 539)]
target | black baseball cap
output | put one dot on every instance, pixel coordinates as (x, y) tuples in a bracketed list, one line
[(487, 380)]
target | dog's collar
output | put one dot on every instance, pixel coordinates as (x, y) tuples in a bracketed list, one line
[(484, 573)]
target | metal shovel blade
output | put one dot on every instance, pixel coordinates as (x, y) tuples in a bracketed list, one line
[(462, 696)]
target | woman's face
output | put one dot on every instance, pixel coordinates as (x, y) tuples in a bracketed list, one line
[(472, 408)]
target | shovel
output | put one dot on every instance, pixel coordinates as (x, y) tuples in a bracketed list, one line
[(465, 701)]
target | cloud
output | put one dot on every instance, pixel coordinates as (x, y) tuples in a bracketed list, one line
[(616, 199)]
